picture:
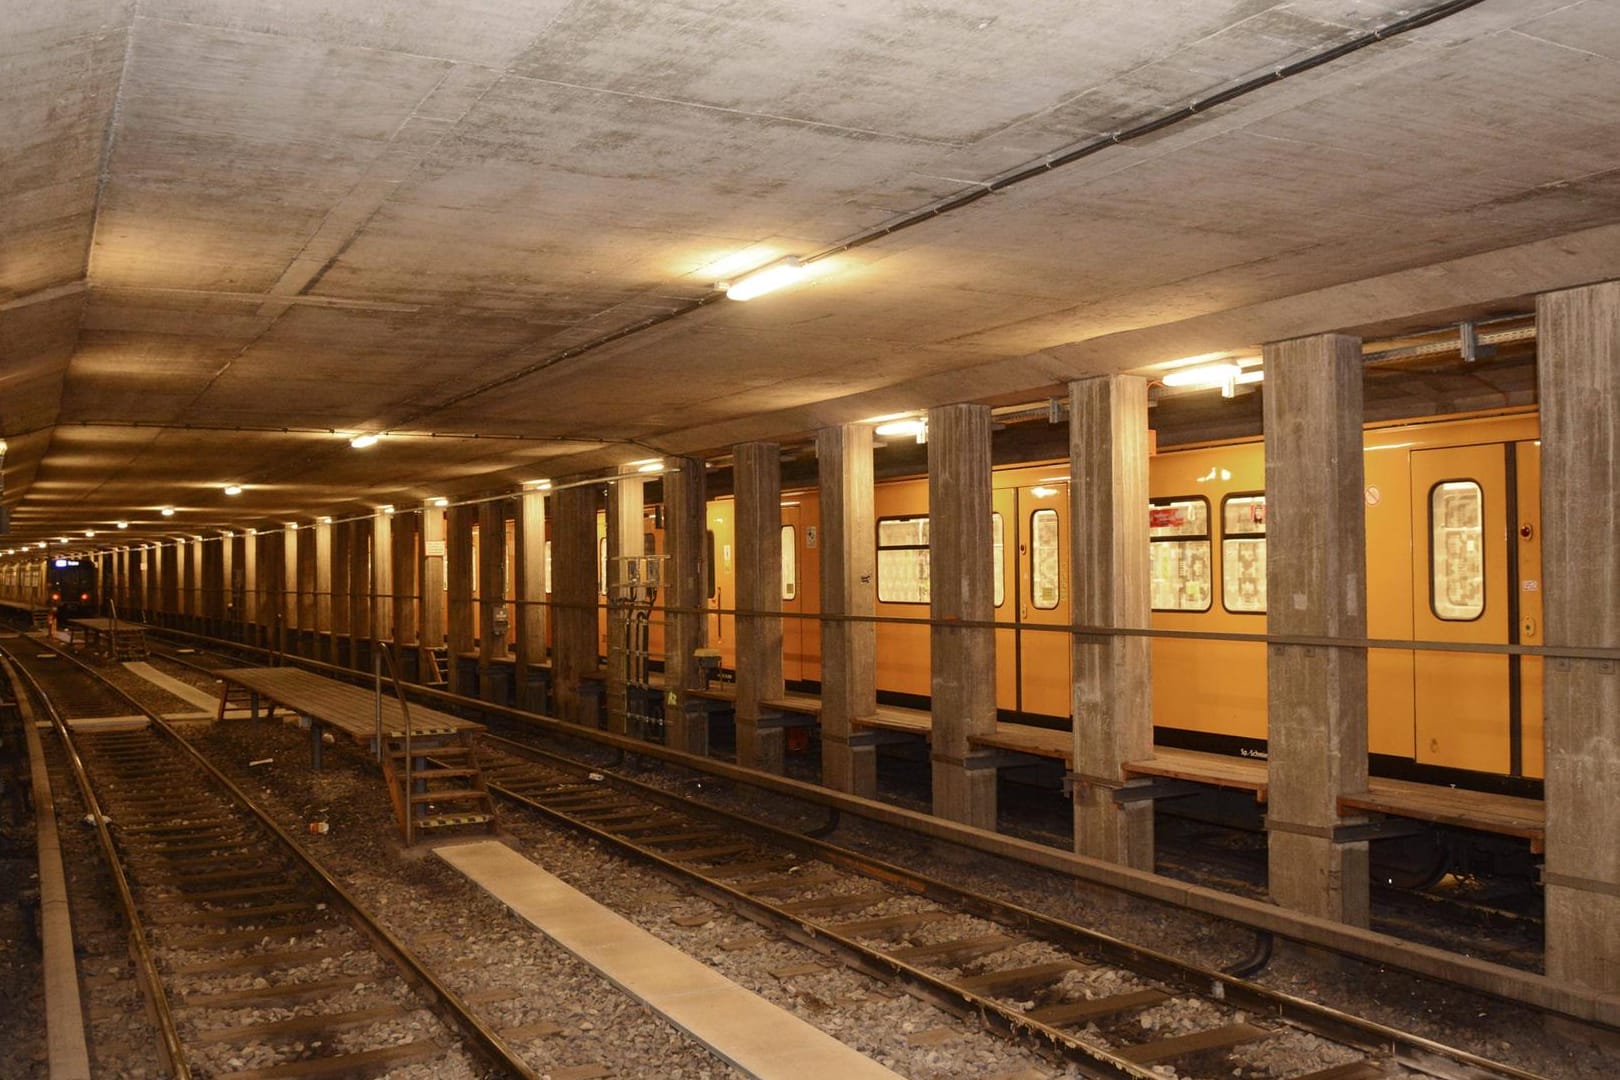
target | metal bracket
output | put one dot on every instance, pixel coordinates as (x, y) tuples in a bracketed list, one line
[(1349, 832), (1156, 788)]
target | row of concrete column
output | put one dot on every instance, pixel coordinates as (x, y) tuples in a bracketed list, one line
[(326, 578)]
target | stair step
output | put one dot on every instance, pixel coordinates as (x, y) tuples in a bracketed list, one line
[(449, 795), (438, 774), (444, 821)]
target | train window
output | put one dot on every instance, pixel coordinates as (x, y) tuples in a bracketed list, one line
[(1045, 559), (548, 567), (1457, 550), (998, 548), (601, 566), (790, 564), (1243, 553), (902, 560), (1179, 553)]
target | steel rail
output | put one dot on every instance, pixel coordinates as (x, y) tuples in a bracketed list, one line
[(1411, 1051), (446, 1002), (146, 969), (1541, 992)]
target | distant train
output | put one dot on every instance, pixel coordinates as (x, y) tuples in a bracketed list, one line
[(1454, 555), (71, 588)]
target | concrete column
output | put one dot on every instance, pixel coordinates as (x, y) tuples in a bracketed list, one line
[(459, 589), (359, 593), (273, 587), (529, 568), (251, 608), (229, 605), (382, 577), (626, 504), (961, 588), (190, 579), (325, 642), (308, 539), (573, 591), (154, 579), (342, 563), (493, 616), (431, 578), (169, 575), (1578, 376), (407, 594), (289, 588), (757, 481), (213, 581), (1316, 565), (848, 577), (685, 595), (1108, 572)]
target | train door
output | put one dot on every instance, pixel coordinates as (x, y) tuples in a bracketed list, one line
[(1042, 654), (722, 580), (1465, 713), (1527, 545), (793, 630)]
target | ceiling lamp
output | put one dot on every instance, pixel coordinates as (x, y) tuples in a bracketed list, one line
[(89, 532), (767, 279), (910, 425), (361, 442), (233, 489), (1203, 376), (438, 502), (167, 511), (123, 524), (1250, 376), (652, 465)]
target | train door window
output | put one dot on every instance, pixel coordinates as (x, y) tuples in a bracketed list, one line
[(902, 563), (708, 563), (1457, 550), (601, 566), (790, 564), (1243, 553), (1179, 553), (998, 548), (548, 567), (1045, 559)]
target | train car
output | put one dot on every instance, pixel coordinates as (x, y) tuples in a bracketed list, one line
[(72, 588), (1453, 534)]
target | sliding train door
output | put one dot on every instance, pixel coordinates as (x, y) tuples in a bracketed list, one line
[(1466, 715)]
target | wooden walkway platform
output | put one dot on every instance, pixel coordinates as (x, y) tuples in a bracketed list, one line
[(434, 780), (116, 639), (337, 705)]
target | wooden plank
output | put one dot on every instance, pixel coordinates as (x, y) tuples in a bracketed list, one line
[(1071, 1013), (1485, 811), (831, 904), (956, 952), (1218, 770), (1356, 1070), (1214, 1039), (884, 925), (347, 708), (298, 1026), (1018, 980), (1024, 739), (365, 1063)]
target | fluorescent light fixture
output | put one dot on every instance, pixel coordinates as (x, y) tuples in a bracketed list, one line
[(123, 524), (438, 502), (911, 425), (233, 489), (1251, 375), (361, 442), (387, 509), (651, 467), (167, 511), (539, 485), (766, 279), (324, 521), (89, 532), (1204, 375)]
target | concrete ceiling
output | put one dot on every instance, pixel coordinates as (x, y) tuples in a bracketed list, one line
[(232, 232)]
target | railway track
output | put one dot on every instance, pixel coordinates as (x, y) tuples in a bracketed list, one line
[(254, 962), (1094, 999)]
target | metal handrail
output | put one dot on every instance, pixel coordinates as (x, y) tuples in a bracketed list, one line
[(383, 651)]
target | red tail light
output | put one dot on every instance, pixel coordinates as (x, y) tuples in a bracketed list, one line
[(56, 596), (84, 596)]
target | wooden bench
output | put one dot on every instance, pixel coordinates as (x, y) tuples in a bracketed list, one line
[(1486, 811), (1197, 767)]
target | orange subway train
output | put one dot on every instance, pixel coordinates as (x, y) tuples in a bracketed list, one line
[(1453, 543)]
